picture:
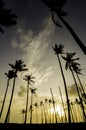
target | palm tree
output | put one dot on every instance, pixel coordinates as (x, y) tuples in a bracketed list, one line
[(59, 50), (53, 105), (50, 101), (32, 92), (36, 107), (41, 105), (23, 113), (27, 78), (77, 70), (69, 61), (18, 67), (7, 17), (55, 7), (10, 75), (63, 104)]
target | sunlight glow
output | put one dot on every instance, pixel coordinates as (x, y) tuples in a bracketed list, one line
[(58, 110)]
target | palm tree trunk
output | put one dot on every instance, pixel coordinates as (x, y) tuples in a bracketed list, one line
[(4, 98), (79, 42), (31, 108), (67, 99), (53, 105), (45, 114), (8, 112), (26, 104), (80, 84), (63, 104), (36, 115), (84, 116)]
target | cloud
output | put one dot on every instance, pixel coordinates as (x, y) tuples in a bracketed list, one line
[(22, 91), (35, 48), (72, 90)]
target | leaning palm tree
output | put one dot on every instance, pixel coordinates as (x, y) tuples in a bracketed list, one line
[(59, 50), (18, 67), (10, 75), (69, 61), (56, 8), (27, 78), (77, 70), (32, 92)]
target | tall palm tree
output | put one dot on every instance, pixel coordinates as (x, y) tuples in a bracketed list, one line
[(7, 17), (27, 78), (59, 50), (53, 105), (32, 92), (77, 70), (18, 67), (69, 60), (56, 7), (10, 75), (62, 104)]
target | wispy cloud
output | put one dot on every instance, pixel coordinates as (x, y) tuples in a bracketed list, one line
[(35, 48)]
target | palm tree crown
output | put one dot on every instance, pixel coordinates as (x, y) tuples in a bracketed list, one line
[(19, 66), (7, 17), (69, 58), (58, 49)]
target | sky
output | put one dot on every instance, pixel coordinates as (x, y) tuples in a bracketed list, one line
[(32, 40)]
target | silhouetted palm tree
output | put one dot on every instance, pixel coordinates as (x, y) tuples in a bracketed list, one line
[(18, 67), (69, 61), (7, 17), (23, 113), (53, 105), (41, 105), (36, 107), (77, 70), (56, 8), (10, 75), (27, 78), (59, 50), (50, 101), (32, 92), (63, 104)]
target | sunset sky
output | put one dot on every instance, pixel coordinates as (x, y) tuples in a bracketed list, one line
[(32, 40)]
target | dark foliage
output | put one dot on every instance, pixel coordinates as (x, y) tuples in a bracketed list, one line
[(7, 17)]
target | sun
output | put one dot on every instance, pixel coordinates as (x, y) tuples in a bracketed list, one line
[(58, 110)]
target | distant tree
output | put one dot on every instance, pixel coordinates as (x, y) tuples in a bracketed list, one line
[(58, 49), (36, 107), (23, 113), (32, 92), (41, 106), (56, 8), (53, 105), (27, 78), (10, 75), (7, 17), (18, 67), (62, 104)]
